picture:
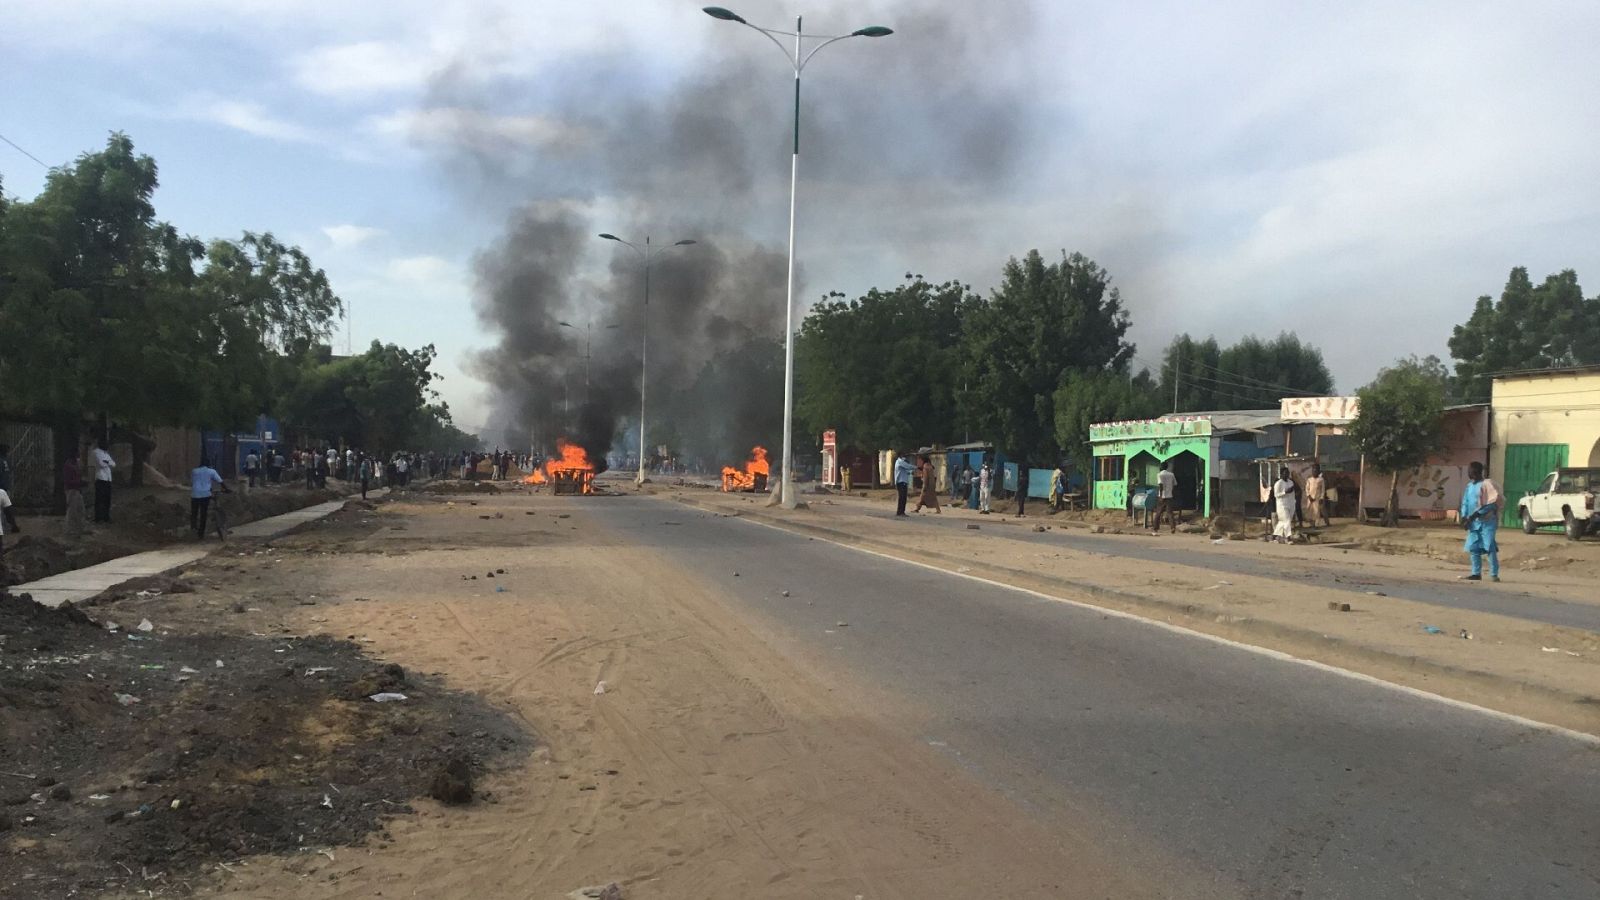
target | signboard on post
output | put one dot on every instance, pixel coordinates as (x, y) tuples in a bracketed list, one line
[(830, 458)]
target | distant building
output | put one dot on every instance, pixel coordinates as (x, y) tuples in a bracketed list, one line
[(1211, 454), (1542, 420)]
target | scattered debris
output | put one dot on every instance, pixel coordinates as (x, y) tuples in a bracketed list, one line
[(600, 688), (146, 626), (452, 783), (612, 891), (972, 527), (127, 699), (327, 802), (1551, 649), (1336, 606), (389, 697), (1433, 629), (1466, 635), (784, 593)]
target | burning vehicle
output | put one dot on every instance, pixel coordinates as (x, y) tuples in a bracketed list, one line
[(568, 472), (752, 478)]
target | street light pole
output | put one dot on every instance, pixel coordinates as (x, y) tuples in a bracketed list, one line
[(588, 350), (644, 341), (798, 58)]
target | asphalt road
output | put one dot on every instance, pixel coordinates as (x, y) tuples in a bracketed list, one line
[(1220, 772), (1502, 599)]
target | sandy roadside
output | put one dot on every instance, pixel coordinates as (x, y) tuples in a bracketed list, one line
[(710, 766), (1505, 665)]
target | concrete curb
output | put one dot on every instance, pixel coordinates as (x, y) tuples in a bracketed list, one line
[(76, 585), (1307, 642)]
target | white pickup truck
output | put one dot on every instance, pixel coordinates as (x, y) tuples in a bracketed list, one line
[(1566, 497)]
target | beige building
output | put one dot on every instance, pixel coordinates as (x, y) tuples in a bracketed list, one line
[(1542, 420)]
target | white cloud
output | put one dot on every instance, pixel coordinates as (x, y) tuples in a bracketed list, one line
[(432, 271), (347, 236), (479, 130), (364, 67), (250, 118)]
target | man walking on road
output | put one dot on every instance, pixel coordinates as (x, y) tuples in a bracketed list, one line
[(902, 483), (1022, 490), (202, 479), (103, 464), (1316, 496), (985, 487), (72, 484), (252, 467), (1480, 515), (1285, 494), (1166, 493)]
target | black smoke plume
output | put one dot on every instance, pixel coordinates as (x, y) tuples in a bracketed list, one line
[(911, 126)]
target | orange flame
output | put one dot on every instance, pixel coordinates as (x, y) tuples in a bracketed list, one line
[(536, 477), (745, 479), (573, 465)]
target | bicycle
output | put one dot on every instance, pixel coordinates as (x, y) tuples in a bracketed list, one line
[(219, 514)]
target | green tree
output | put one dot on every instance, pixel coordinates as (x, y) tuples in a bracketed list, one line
[(379, 401), (1044, 322), (1249, 374), (1400, 422), (884, 369), (108, 312), (1087, 398), (1529, 327)]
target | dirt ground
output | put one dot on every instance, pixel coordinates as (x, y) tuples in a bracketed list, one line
[(143, 760), (706, 765), (141, 519), (1547, 673)]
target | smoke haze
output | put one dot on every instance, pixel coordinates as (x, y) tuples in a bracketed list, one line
[(911, 123)]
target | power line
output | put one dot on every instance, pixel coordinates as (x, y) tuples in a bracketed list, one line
[(24, 152), (1261, 382)]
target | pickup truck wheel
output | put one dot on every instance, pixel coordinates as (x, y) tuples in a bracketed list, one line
[(1575, 526), (1528, 525)]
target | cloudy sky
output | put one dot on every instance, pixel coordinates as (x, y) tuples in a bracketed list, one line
[(1356, 172)]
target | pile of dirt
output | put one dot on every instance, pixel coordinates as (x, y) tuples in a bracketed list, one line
[(463, 487), (129, 758)]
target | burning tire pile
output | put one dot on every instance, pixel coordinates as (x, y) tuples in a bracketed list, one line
[(750, 479)]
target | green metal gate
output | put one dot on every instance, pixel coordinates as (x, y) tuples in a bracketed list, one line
[(1526, 466)]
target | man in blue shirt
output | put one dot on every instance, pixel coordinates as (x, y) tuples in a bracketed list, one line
[(902, 482), (1480, 516), (202, 479)]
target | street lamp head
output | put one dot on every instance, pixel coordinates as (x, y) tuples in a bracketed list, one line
[(611, 237), (683, 243), (726, 15), (872, 31), (613, 325), (566, 325)]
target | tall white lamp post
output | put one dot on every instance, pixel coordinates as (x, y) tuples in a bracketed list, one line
[(799, 57), (646, 253)]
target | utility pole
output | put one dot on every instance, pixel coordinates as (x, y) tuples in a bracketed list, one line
[(1177, 363)]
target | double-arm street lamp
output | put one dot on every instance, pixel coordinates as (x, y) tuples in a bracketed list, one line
[(588, 350), (646, 253), (799, 57)]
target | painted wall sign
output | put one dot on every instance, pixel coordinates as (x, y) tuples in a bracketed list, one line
[(1333, 410)]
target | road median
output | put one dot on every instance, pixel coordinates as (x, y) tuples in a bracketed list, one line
[(1541, 672)]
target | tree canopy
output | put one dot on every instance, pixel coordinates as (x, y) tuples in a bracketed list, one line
[(1045, 322), (110, 312), (886, 367), (1250, 374), (1400, 422), (1529, 327)]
